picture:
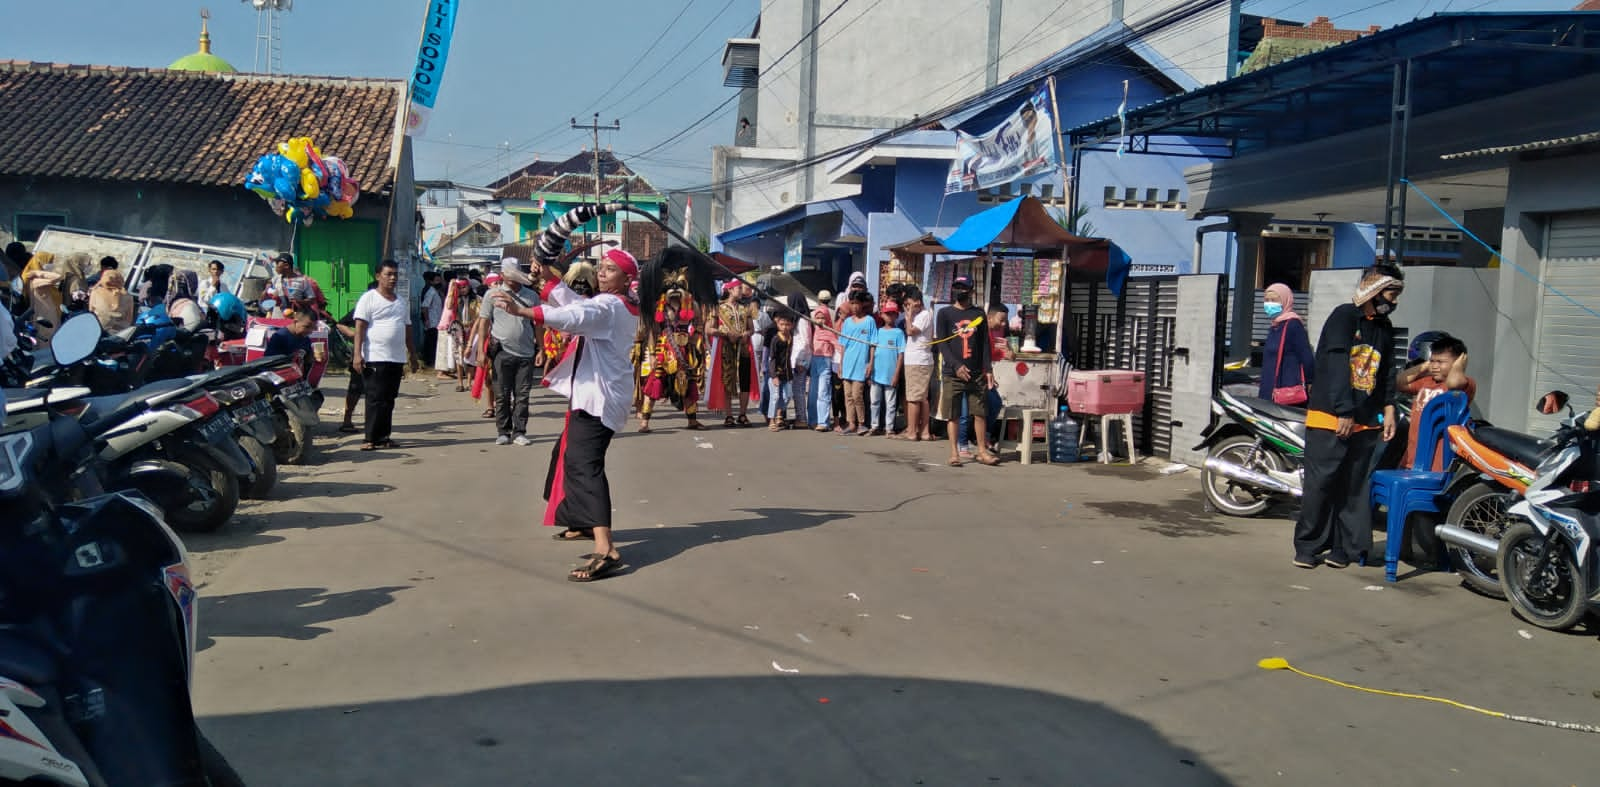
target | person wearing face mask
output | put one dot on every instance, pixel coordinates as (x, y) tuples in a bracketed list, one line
[(1350, 410), (1288, 353)]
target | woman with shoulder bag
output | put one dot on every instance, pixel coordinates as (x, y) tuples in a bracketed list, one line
[(1288, 363)]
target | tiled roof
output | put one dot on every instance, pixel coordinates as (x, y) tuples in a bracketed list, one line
[(581, 163), (581, 184), (155, 125)]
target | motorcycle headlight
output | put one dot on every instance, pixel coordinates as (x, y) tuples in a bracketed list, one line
[(13, 448)]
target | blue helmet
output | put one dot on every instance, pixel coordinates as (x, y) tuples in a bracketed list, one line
[(227, 306), (154, 316)]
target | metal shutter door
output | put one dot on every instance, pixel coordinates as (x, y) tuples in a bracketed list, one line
[(1568, 353)]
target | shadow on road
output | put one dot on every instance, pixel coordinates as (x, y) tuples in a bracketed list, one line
[(292, 613), (645, 547), (782, 729)]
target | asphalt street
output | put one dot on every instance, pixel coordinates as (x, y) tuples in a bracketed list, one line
[(820, 610)]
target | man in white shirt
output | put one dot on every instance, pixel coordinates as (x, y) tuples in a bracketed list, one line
[(383, 345), (432, 311), (919, 365)]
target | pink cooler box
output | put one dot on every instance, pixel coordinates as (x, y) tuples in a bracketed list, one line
[(1108, 392)]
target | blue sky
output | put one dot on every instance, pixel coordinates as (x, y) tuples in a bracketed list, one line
[(519, 69)]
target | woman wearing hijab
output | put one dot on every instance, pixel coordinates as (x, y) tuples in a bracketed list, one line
[(597, 378), (1287, 363), (800, 358), (447, 355), (111, 302), (182, 307), (42, 282)]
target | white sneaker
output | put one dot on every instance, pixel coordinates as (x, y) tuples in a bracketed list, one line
[(502, 440), (522, 440)]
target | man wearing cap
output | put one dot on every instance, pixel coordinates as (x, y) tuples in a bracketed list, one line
[(296, 291), (597, 377), (1350, 410), (963, 342), (512, 348)]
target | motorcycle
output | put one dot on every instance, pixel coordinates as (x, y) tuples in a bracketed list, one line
[(1547, 559), (1255, 450), (1494, 467), (168, 430), (97, 618)]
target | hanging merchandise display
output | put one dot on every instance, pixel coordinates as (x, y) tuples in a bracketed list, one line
[(1047, 291), (301, 184)]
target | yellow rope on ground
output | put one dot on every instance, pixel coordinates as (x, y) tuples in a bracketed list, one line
[(1283, 664)]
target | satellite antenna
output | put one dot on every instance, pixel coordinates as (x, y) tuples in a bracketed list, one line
[(269, 39)]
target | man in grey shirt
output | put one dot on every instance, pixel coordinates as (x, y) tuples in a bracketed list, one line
[(513, 349)]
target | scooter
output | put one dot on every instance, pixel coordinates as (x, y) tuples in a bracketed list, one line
[(97, 619), (1494, 468), (1255, 449), (168, 429), (1547, 562)]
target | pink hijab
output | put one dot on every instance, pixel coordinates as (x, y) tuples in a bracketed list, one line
[(1285, 297)]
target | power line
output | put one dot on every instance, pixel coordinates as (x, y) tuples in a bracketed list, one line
[(707, 116), (644, 54)]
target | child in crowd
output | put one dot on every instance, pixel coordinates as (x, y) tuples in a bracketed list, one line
[(858, 334), (779, 364), (1444, 370), (887, 366)]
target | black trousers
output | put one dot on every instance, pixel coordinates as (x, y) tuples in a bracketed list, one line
[(584, 499), (382, 383), (1336, 511), (430, 345), (513, 379)]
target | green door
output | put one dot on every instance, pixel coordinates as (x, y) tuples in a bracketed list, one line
[(341, 256)]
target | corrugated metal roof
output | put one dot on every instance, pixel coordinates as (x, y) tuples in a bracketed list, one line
[(1543, 144)]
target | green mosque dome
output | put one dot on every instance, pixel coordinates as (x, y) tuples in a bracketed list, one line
[(202, 60)]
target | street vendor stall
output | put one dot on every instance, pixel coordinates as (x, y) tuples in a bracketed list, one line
[(1025, 258)]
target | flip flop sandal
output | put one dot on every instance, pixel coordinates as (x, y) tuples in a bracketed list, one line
[(369, 446), (488, 413), (583, 535), (696, 426), (598, 567), (729, 422), (349, 429), (955, 462), (989, 460), (744, 421)]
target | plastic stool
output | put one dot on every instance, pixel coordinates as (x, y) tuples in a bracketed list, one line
[(1126, 419), (1028, 417)]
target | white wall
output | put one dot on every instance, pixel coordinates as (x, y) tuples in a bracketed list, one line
[(1536, 189)]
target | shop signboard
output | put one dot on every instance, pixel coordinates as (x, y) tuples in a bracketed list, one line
[(792, 251), (1023, 145)]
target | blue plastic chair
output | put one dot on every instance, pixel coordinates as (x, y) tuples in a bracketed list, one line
[(1417, 490)]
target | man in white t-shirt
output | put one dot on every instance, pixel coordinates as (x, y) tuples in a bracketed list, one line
[(382, 347), (918, 365)]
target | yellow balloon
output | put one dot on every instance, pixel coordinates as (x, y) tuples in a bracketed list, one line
[(309, 188), (340, 210)]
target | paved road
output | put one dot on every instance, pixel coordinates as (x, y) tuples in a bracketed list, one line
[(807, 609)]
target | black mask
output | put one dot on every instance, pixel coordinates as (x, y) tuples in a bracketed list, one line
[(1383, 306), (582, 287)]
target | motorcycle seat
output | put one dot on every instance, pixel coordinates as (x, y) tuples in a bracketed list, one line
[(1516, 446), (1274, 410), (25, 662), (101, 406)]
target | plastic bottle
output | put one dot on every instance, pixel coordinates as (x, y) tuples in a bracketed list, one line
[(1063, 437)]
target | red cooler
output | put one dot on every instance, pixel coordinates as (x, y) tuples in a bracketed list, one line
[(1107, 392)]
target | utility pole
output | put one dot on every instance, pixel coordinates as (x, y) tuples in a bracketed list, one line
[(594, 126)]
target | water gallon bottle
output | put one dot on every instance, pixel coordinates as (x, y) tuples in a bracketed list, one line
[(1063, 438)]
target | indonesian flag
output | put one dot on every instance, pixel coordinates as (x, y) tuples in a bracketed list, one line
[(541, 203)]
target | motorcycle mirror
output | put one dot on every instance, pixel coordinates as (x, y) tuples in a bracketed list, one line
[(1551, 403), (76, 339)]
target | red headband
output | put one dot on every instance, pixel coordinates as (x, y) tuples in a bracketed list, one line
[(625, 261)]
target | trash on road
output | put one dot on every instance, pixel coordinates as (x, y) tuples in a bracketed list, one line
[(784, 670)]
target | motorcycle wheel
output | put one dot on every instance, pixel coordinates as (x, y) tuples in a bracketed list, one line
[(258, 484), (293, 442), (1562, 601), (1229, 496), (212, 498), (216, 768), (1481, 508)]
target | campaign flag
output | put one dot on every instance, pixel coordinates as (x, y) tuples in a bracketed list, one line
[(1024, 144), (428, 74)]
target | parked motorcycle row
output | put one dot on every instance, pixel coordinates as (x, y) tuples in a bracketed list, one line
[(110, 444), (1522, 513)]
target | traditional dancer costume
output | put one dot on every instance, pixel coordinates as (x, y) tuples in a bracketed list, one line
[(676, 290)]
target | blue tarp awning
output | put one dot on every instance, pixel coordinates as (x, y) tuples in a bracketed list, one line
[(1020, 223)]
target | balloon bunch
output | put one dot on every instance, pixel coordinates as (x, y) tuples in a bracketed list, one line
[(302, 184)]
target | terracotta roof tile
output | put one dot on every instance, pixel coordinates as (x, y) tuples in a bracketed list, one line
[(154, 125)]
